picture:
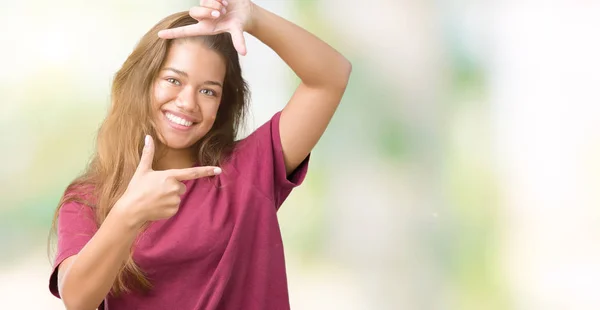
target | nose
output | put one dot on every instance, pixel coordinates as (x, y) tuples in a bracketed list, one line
[(186, 100)]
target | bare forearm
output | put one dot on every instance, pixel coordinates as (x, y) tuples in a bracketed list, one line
[(315, 62), (91, 275)]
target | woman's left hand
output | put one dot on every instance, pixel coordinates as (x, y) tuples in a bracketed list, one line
[(214, 17)]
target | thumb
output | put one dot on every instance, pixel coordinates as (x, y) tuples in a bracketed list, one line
[(237, 36), (147, 155)]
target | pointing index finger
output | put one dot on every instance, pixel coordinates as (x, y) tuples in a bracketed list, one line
[(193, 173)]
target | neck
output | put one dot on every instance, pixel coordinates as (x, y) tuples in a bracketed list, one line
[(176, 159)]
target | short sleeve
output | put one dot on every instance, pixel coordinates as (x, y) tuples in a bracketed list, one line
[(76, 226), (259, 157)]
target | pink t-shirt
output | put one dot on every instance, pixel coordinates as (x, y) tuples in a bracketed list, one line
[(222, 250)]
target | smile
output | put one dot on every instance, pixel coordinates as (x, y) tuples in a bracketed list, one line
[(178, 120)]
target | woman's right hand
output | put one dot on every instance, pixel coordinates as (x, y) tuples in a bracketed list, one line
[(155, 195)]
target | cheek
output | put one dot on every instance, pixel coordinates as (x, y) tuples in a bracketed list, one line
[(209, 110), (161, 95)]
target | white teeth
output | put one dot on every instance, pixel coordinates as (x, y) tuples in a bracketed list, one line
[(178, 120)]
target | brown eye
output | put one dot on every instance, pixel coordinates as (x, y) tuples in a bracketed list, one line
[(208, 92), (173, 81)]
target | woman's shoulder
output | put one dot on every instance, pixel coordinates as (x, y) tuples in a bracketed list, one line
[(77, 208), (259, 151), (80, 194), (261, 138)]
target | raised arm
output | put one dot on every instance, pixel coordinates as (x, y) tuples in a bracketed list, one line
[(323, 72)]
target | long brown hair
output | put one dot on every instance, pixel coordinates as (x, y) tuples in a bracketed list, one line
[(120, 138)]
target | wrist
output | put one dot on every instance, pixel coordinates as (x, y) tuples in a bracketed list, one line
[(126, 214), (251, 24)]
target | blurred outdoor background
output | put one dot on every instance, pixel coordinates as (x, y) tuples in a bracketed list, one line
[(462, 170)]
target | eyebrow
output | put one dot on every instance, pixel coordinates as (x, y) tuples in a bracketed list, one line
[(184, 74)]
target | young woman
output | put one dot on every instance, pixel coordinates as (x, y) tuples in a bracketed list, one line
[(172, 212)]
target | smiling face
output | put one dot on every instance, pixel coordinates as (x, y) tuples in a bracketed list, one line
[(187, 93)]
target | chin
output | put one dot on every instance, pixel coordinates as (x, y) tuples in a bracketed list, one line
[(177, 145), (179, 142)]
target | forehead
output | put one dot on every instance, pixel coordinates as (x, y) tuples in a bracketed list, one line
[(194, 58)]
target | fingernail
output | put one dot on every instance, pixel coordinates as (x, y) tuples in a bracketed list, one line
[(215, 13), (147, 140), (217, 171), (225, 3), (224, 11)]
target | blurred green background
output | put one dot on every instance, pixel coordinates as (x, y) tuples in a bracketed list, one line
[(460, 172)]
